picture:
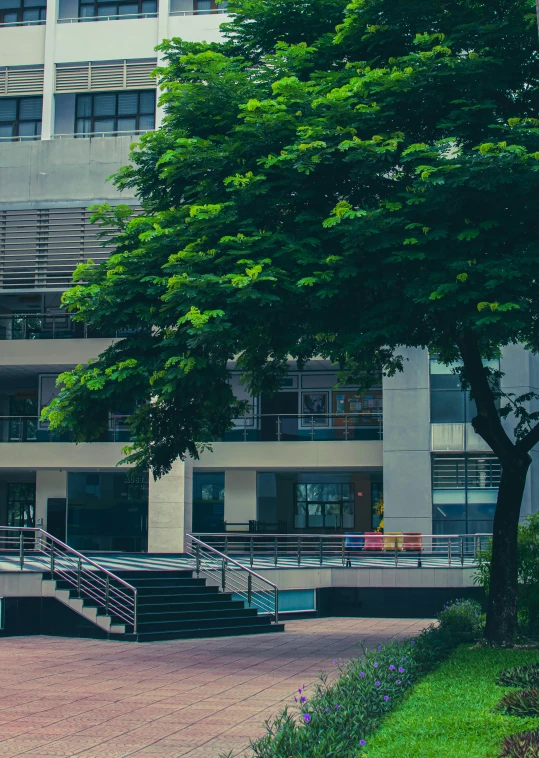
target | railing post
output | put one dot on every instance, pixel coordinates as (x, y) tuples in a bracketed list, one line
[(21, 550), (346, 427), (449, 551), (343, 556), (276, 591), (107, 593), (312, 428), (223, 574), (251, 552), (299, 551), (197, 558), (79, 569), (462, 551), (225, 547), (245, 428), (396, 552), (276, 551), (278, 428), (249, 589), (135, 612), (52, 560), (321, 550)]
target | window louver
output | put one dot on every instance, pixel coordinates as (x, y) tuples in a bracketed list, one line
[(39, 249), (21, 80), (458, 472), (105, 76)]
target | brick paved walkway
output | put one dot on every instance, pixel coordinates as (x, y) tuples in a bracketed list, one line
[(195, 698)]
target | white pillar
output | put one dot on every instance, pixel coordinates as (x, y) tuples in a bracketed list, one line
[(169, 509), (162, 33), (407, 459), (49, 483), (47, 126), (240, 496)]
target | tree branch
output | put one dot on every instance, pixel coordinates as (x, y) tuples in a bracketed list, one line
[(531, 439)]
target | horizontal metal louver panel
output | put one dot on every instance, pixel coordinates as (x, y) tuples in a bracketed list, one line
[(105, 76), (21, 80), (40, 249), (459, 472)]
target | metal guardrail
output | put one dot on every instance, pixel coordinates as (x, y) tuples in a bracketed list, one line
[(90, 580), (112, 17), (89, 135), (349, 550), (363, 425), (206, 12), (21, 138), (30, 429), (35, 22), (232, 576), (50, 326)]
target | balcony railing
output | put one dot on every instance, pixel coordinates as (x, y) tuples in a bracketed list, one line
[(112, 17), (48, 326), (35, 22), (207, 12), (21, 138), (352, 550), (89, 135), (31, 429), (300, 427)]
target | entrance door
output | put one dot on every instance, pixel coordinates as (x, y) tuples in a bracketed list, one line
[(21, 503), (284, 409)]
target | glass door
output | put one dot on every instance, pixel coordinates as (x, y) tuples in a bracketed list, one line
[(21, 503)]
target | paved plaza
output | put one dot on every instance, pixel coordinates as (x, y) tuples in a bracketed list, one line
[(197, 698)]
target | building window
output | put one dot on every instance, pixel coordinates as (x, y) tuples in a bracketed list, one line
[(448, 403), (90, 9), (20, 117), (208, 502), (23, 11), (324, 506), (464, 493), (113, 112)]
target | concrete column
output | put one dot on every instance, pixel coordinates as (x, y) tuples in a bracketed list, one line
[(162, 33), (240, 495), (47, 126), (170, 509), (407, 460), (49, 483)]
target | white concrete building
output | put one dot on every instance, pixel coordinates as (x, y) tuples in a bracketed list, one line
[(75, 87)]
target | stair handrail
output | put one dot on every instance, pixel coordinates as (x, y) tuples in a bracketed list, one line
[(252, 576), (122, 606)]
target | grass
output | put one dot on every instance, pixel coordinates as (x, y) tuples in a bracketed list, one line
[(450, 711)]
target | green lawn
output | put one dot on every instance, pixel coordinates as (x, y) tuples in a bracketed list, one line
[(449, 712)]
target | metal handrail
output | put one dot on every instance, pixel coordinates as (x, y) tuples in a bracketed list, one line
[(310, 425), (96, 583), (88, 135), (29, 326), (21, 138), (349, 549), (253, 589), (17, 428), (112, 17), (202, 12), (34, 22)]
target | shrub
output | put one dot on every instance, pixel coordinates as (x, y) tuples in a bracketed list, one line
[(523, 745), (520, 676), (520, 703)]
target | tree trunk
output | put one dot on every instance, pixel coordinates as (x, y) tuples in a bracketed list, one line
[(502, 610)]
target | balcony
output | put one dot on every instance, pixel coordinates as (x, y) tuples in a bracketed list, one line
[(30, 429), (47, 326), (90, 135), (294, 427)]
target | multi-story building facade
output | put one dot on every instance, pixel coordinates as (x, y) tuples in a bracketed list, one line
[(75, 89)]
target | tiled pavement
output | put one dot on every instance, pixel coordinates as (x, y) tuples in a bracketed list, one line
[(194, 698)]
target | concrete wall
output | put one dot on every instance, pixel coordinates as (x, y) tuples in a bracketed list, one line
[(407, 462), (61, 173), (45, 355), (22, 45), (49, 483), (52, 455), (106, 40), (170, 509)]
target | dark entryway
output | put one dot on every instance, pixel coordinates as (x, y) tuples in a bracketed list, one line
[(283, 423)]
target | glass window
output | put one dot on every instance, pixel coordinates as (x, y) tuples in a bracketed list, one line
[(115, 112), (208, 502), (110, 8), (12, 12), (447, 407), (20, 116)]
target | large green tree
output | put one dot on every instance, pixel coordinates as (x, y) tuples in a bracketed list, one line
[(333, 181)]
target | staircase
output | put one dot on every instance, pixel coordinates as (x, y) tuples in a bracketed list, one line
[(171, 605)]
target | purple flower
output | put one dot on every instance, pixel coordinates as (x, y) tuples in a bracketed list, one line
[(334, 660), (377, 684), (306, 717), (386, 698), (295, 700), (299, 690), (392, 667), (362, 674), (375, 664), (412, 642), (303, 699), (399, 681), (379, 648), (337, 707), (362, 742), (401, 670), (328, 709)]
